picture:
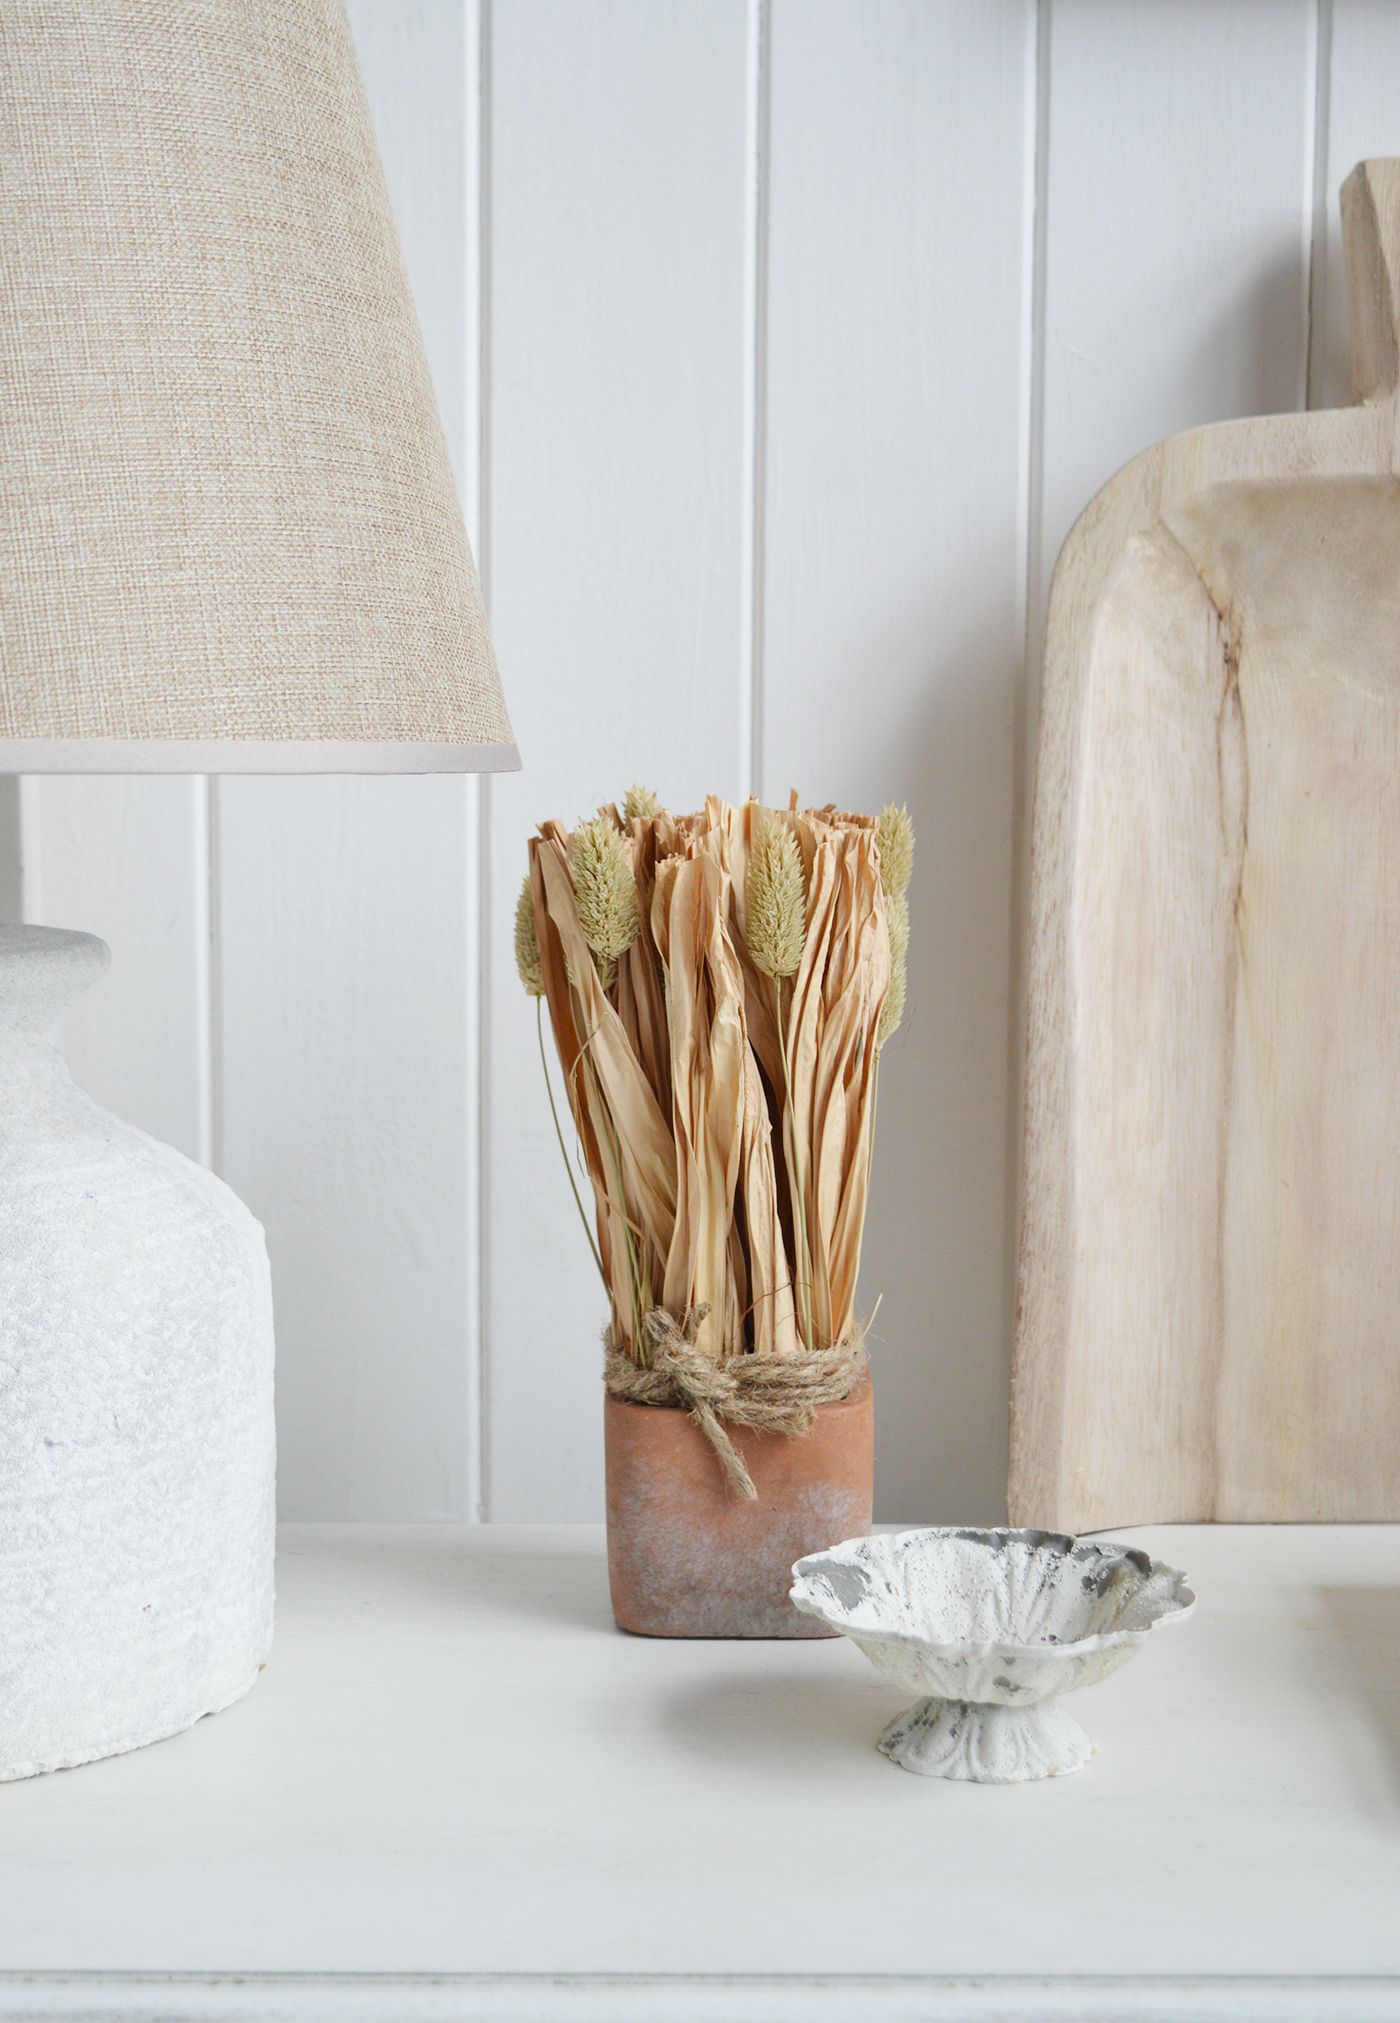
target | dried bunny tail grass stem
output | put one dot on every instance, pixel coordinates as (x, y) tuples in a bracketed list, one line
[(640, 1303), (776, 905), (639, 803), (530, 963), (605, 891), (896, 837), (527, 942), (723, 1086), (897, 915), (563, 1148), (777, 900), (896, 834), (627, 1140), (892, 1011)]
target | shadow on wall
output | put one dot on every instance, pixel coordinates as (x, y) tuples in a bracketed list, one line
[(936, 1242), (1249, 352), (1268, 312)]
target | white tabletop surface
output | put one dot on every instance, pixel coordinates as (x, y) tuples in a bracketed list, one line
[(459, 1791)]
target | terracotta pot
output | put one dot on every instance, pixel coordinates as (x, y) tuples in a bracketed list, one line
[(688, 1558)]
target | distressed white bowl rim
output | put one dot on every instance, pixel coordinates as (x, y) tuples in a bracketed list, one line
[(1103, 1640)]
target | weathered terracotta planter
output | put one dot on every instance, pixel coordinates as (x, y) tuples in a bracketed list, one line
[(688, 1558)]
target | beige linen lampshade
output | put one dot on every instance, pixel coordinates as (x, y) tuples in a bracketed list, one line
[(231, 540)]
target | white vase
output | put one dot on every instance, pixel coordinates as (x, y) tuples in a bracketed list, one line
[(136, 1429)]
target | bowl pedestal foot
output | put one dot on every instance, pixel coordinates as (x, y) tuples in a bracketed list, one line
[(986, 1744)]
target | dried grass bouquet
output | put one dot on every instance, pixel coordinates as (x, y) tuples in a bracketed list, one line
[(719, 986)]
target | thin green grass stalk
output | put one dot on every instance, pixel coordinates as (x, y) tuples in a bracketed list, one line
[(874, 1107), (563, 1148), (803, 1259), (634, 1266), (616, 1206)]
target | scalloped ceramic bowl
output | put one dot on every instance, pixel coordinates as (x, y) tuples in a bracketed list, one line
[(992, 1627)]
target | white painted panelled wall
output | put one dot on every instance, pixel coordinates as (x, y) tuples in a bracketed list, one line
[(778, 343)]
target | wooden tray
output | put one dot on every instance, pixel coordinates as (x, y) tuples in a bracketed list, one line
[(1209, 1304)]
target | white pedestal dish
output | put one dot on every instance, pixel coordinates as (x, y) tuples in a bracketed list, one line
[(136, 1428), (991, 1627)]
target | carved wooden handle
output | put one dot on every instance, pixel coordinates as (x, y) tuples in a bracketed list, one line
[(1371, 232)]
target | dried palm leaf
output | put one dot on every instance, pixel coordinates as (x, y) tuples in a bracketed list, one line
[(604, 892), (527, 942), (708, 1047), (638, 803), (896, 833), (716, 985), (627, 1142)]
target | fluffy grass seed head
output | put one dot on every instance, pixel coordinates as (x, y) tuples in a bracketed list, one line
[(892, 1011), (777, 903), (605, 892), (897, 915), (896, 839), (638, 803), (527, 943)]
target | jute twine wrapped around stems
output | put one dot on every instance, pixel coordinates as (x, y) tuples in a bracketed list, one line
[(774, 1393), (719, 985)]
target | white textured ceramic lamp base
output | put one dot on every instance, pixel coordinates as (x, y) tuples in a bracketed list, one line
[(986, 1745), (136, 1429)]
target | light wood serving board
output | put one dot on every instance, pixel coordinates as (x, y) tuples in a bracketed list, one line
[(1208, 1319)]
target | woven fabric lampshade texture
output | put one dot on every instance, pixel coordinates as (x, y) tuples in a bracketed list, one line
[(229, 534)]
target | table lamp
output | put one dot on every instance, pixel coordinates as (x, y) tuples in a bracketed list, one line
[(231, 543)]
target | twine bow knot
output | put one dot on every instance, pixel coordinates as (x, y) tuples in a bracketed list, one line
[(773, 1394)]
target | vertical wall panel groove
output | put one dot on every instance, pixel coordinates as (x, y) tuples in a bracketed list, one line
[(1031, 603), (478, 344), (1175, 250), (475, 254), (347, 953), (755, 452), (1363, 93), (1036, 226), (201, 934), (487, 941), (31, 848), (216, 982), (11, 850), (778, 344), (895, 634), (617, 346), (1317, 186)]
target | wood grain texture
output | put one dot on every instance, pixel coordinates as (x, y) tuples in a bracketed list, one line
[(650, 214), (1209, 1269)]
